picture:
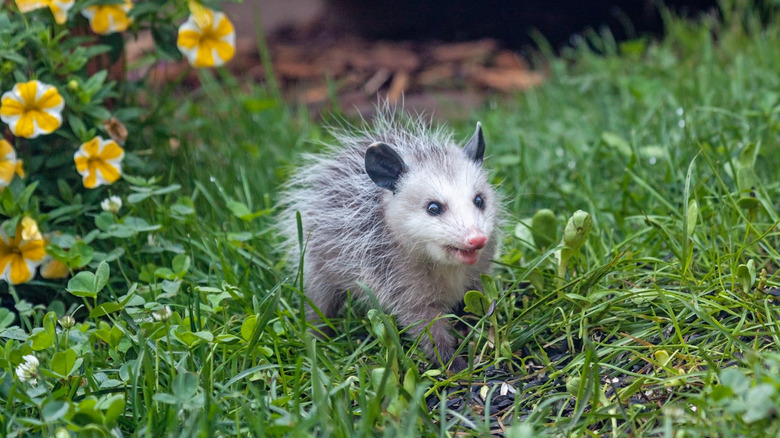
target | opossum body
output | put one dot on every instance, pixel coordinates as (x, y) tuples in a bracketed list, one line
[(400, 208)]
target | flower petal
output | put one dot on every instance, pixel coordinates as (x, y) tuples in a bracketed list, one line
[(50, 99), (33, 250), (109, 172), (24, 126), (30, 5), (110, 150), (10, 106), (54, 269), (60, 8), (224, 27), (188, 39), (20, 272)]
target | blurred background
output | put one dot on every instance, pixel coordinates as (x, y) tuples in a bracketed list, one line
[(439, 56)]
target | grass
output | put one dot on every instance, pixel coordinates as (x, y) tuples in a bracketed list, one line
[(662, 327)]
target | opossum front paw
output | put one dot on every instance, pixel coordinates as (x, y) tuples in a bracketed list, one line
[(458, 364)]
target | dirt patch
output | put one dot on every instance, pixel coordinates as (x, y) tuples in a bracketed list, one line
[(315, 65)]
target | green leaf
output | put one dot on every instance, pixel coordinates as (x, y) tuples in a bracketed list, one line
[(181, 264), (6, 317), (189, 338), (44, 338), (164, 37), (101, 276), (41, 340), (248, 327), (185, 385), (23, 199), (134, 198), (238, 209), (746, 274), (476, 303), (544, 228), (747, 179), (14, 332), (378, 325), (489, 288), (104, 220), (615, 141), (105, 309), (170, 287), (79, 255), (113, 407), (164, 398), (693, 217), (747, 158), (53, 410), (758, 403), (82, 285), (138, 224), (165, 273), (62, 363), (78, 127), (120, 231), (573, 385)]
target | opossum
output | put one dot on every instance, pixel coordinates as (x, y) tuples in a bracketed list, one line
[(398, 207)]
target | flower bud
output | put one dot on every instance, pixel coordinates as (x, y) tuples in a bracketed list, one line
[(67, 322), (577, 230)]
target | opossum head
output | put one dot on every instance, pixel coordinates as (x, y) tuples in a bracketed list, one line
[(442, 209)]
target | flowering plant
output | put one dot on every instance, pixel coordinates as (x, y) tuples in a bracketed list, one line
[(70, 114), (75, 130)]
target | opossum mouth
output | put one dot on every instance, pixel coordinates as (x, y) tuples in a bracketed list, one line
[(467, 256)]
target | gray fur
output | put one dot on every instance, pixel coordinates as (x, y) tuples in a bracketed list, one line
[(382, 237)]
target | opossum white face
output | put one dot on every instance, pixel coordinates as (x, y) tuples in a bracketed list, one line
[(441, 208)]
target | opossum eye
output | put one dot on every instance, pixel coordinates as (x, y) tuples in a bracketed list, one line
[(479, 201), (434, 208)]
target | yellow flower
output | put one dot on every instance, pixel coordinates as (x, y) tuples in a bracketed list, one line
[(58, 7), (52, 268), (9, 164), (99, 162), (31, 109), (30, 229), (106, 19), (20, 257), (207, 38)]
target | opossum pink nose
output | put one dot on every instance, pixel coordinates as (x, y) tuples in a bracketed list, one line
[(477, 241)]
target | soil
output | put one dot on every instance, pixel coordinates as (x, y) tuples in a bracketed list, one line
[(329, 70)]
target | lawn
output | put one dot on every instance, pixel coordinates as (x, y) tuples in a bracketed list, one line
[(662, 324)]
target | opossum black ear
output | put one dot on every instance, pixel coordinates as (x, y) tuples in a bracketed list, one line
[(384, 166), (475, 148)]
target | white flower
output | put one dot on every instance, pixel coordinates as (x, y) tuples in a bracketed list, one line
[(31, 109), (28, 370), (58, 7), (162, 314), (99, 162), (207, 38), (112, 204), (106, 19), (67, 322)]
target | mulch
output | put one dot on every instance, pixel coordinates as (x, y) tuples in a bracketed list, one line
[(318, 66)]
